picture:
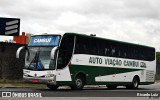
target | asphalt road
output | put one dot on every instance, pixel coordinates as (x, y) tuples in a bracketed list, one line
[(89, 93)]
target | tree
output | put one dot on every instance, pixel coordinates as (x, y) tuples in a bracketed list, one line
[(158, 65)]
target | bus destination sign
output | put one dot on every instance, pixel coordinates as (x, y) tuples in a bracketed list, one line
[(49, 40)]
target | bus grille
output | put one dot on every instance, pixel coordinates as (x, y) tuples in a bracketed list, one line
[(149, 76)]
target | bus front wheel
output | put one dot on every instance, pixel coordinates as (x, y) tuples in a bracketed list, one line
[(79, 83), (52, 87)]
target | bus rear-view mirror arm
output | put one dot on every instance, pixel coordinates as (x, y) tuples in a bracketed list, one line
[(19, 50), (53, 52)]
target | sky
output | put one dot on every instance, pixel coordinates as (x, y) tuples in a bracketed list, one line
[(134, 21)]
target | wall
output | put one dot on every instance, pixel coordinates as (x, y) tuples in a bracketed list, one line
[(10, 67), (20, 39), (28, 36)]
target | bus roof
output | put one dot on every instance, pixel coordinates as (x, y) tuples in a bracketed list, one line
[(84, 35)]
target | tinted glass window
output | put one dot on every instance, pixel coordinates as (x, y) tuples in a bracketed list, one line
[(82, 45), (65, 51), (87, 45)]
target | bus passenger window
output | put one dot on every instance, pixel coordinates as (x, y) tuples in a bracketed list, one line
[(113, 52), (106, 51)]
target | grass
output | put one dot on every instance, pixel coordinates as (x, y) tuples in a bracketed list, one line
[(21, 84)]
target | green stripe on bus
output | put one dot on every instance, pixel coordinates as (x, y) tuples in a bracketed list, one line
[(95, 71), (103, 83)]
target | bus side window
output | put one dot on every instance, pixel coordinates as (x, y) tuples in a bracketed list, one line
[(101, 47), (113, 51), (93, 47), (82, 46), (77, 48), (106, 51), (119, 51), (152, 54)]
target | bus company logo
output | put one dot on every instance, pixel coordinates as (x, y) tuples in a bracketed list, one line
[(47, 40), (77, 60), (6, 94), (35, 75)]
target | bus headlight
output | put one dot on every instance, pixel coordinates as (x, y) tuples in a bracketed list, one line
[(49, 75), (24, 74)]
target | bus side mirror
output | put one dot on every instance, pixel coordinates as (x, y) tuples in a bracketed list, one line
[(19, 50), (53, 52)]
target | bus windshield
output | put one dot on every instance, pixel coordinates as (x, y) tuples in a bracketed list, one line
[(39, 58)]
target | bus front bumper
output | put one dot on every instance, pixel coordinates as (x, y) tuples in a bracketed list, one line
[(50, 80)]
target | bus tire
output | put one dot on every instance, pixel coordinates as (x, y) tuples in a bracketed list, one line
[(52, 87), (135, 83), (111, 86), (79, 83)]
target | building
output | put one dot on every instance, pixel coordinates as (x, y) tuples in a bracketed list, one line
[(23, 39)]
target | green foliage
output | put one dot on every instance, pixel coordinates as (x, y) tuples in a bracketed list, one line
[(158, 57), (158, 66)]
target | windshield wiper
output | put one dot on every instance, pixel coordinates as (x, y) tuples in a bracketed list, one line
[(36, 63), (34, 60)]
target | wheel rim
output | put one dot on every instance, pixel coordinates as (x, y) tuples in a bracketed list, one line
[(79, 83), (135, 83)]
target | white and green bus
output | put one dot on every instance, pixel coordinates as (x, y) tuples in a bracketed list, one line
[(76, 60)]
